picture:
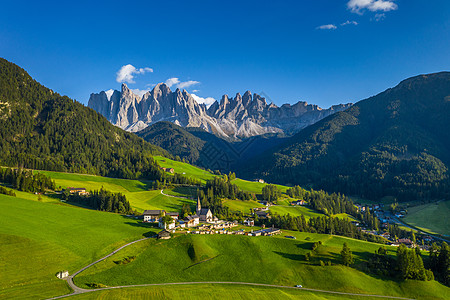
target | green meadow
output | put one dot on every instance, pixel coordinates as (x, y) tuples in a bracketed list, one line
[(254, 186), (184, 168), (431, 217), (272, 260), (37, 240)]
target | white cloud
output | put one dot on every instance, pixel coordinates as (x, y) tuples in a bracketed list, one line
[(195, 91), (327, 27), (379, 17), (207, 101), (139, 92), (186, 84), (349, 23), (172, 81), (358, 6), (127, 73)]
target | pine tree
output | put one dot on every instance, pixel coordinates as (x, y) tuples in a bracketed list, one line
[(346, 255)]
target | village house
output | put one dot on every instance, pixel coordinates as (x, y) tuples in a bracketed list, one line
[(266, 203), (260, 180), (79, 191), (163, 235), (170, 170), (249, 222), (173, 215), (192, 220), (153, 215), (298, 202), (265, 232)]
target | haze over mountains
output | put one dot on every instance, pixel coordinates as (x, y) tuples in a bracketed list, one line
[(239, 117)]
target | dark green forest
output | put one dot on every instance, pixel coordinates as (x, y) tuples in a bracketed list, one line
[(396, 143), (40, 129)]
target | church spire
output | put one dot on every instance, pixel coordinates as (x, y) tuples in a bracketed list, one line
[(199, 205)]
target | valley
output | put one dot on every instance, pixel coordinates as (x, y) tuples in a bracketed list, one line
[(170, 219)]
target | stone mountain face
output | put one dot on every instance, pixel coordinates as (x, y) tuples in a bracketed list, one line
[(238, 117)]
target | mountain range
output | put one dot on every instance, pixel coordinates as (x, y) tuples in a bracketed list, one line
[(233, 118)]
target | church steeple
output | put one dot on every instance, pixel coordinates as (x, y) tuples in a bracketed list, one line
[(199, 205)]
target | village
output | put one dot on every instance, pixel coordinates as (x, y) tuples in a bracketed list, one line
[(204, 222)]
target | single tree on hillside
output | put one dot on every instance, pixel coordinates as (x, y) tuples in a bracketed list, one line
[(346, 255)]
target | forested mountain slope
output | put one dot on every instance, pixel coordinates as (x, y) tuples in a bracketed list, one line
[(41, 129), (396, 143)]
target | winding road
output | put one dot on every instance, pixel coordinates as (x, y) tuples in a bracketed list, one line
[(77, 290)]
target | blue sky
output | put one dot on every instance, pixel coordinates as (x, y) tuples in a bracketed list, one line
[(288, 50)]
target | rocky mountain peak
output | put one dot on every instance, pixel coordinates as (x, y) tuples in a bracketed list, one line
[(238, 117)]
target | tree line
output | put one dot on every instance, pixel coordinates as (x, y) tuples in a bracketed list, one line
[(26, 180), (101, 200)]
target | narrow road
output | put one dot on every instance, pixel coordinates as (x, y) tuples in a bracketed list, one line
[(77, 290), (234, 283), (162, 192)]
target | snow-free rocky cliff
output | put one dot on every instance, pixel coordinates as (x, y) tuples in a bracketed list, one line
[(238, 117)]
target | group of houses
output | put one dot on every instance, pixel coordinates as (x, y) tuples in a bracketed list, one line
[(201, 215)]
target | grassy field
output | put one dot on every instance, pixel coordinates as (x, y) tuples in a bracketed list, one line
[(209, 291), (253, 186), (244, 206), (184, 168), (273, 260), (39, 239), (295, 211), (432, 217), (137, 191)]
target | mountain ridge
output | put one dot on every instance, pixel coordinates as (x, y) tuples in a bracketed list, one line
[(232, 118)]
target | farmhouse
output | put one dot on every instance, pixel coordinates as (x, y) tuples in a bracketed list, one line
[(249, 222), (298, 202), (192, 220), (163, 235), (79, 191), (153, 215), (204, 214), (170, 170), (265, 232), (173, 215)]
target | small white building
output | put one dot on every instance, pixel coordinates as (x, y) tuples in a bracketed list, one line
[(62, 274)]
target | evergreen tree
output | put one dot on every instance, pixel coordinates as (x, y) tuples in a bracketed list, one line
[(346, 255)]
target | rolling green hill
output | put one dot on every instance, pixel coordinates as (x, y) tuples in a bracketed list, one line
[(273, 260), (37, 240), (393, 144), (40, 129)]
